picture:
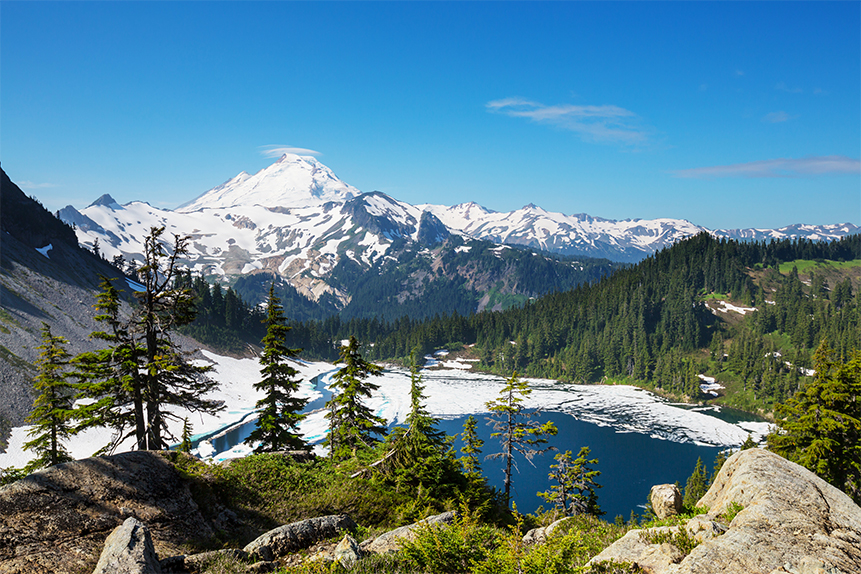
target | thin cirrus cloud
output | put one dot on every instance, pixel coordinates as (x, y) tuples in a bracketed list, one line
[(30, 185), (279, 150), (607, 123), (777, 117), (783, 167)]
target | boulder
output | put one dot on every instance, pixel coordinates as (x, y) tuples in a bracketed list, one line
[(791, 521), (55, 521), (347, 552), (391, 540), (541, 534), (298, 535), (196, 563), (666, 500), (128, 550)]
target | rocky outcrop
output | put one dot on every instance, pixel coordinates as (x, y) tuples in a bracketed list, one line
[(129, 550), (790, 521), (666, 500), (347, 552), (541, 534), (56, 520), (298, 535), (391, 540)]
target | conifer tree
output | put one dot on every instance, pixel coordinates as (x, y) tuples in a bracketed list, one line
[(471, 448), (697, 485), (420, 454), (170, 377), (280, 409), (351, 423), (52, 413), (574, 491), (185, 444), (111, 377), (820, 427), (515, 429)]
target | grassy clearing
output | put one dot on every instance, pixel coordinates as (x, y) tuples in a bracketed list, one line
[(804, 266)]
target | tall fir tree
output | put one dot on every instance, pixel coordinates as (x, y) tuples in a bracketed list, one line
[(515, 428), (696, 485), (820, 427), (279, 410), (170, 377), (575, 485), (111, 378), (52, 413), (352, 425), (471, 448)]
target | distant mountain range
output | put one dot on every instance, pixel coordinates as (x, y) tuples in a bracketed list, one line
[(297, 220)]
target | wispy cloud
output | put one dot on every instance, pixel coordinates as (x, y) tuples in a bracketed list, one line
[(783, 167), (784, 88), (279, 150), (777, 117), (30, 185), (605, 123)]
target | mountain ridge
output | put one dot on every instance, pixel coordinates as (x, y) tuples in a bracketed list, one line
[(296, 219)]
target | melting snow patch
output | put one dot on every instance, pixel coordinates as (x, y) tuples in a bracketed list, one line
[(44, 250), (727, 307)]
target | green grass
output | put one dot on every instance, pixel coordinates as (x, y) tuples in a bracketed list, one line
[(806, 265)]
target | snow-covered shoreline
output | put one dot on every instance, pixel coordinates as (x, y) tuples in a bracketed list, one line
[(450, 394)]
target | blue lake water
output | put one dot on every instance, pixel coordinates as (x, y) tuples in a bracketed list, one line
[(630, 463)]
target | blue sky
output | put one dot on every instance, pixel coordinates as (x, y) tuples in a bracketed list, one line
[(728, 114)]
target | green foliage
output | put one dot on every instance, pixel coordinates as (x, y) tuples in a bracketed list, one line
[(110, 380), (52, 411), (820, 427), (748, 443), (185, 440), (677, 536), (731, 511), (696, 486), (351, 423), (515, 428), (457, 547), (574, 491), (279, 411)]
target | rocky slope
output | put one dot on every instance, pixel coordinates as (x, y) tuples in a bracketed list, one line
[(791, 521)]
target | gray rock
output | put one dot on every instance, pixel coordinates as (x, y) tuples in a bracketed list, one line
[(541, 534), (666, 500), (298, 535), (792, 521), (129, 550), (390, 541), (347, 552), (55, 521), (261, 568)]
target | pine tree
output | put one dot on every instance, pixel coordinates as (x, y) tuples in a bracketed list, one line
[(170, 377), (696, 486), (515, 429), (185, 440), (471, 448), (820, 427), (279, 410), (111, 378), (420, 455), (351, 423), (574, 491), (52, 413)]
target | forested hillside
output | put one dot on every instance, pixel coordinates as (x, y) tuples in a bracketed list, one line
[(749, 314)]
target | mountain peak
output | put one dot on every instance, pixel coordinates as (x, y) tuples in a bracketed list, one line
[(292, 181), (105, 200)]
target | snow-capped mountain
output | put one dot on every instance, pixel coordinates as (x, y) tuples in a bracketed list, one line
[(292, 181), (580, 234), (295, 218)]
